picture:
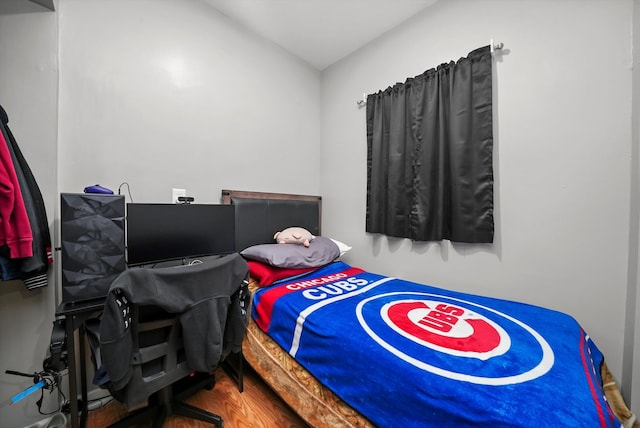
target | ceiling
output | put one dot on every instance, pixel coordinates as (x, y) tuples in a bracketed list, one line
[(320, 32)]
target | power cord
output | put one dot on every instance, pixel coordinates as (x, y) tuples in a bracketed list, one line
[(128, 190), (96, 403)]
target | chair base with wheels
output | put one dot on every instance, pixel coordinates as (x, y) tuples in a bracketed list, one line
[(169, 401)]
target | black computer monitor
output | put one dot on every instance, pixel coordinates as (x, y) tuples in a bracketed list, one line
[(164, 232)]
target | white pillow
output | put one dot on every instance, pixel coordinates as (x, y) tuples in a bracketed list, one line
[(342, 246)]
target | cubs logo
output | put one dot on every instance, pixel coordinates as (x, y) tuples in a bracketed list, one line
[(455, 338), (447, 328)]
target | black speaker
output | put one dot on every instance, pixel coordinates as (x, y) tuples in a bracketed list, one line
[(92, 244)]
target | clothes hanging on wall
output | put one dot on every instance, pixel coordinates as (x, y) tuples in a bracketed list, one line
[(24, 201), (15, 229)]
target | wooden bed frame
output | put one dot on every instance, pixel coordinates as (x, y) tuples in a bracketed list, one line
[(314, 403)]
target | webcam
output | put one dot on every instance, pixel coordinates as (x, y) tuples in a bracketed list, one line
[(185, 199)]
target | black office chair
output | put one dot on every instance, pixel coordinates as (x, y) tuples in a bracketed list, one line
[(160, 372), (165, 330)]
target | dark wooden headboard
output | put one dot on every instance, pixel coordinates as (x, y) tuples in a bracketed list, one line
[(260, 214)]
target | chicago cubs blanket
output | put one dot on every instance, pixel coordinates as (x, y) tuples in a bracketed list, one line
[(410, 355)]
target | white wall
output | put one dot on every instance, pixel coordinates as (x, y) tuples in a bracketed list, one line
[(167, 93), (562, 144), (128, 111), (28, 92), (632, 346)]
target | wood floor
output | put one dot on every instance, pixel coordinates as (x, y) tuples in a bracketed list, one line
[(256, 407)]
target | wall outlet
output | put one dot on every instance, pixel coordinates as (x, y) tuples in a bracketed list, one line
[(176, 193)]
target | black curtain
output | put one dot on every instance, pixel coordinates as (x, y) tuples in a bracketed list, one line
[(429, 154)]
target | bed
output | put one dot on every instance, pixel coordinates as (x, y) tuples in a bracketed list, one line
[(371, 350)]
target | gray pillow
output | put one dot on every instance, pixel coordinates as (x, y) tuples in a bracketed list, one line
[(320, 252)]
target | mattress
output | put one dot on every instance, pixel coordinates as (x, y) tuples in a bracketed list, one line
[(320, 407)]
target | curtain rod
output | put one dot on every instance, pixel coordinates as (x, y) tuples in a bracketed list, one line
[(494, 47)]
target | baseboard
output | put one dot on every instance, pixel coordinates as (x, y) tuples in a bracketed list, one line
[(55, 421)]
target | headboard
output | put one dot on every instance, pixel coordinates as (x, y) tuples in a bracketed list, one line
[(260, 214)]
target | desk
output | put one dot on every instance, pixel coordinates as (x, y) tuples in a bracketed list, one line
[(75, 314)]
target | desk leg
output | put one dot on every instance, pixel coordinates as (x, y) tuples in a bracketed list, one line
[(73, 381), (74, 319), (83, 375), (240, 372), (235, 372)]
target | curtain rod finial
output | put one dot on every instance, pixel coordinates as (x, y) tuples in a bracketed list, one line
[(496, 46), (363, 101)]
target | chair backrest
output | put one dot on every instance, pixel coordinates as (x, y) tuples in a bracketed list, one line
[(158, 356), (159, 325)]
